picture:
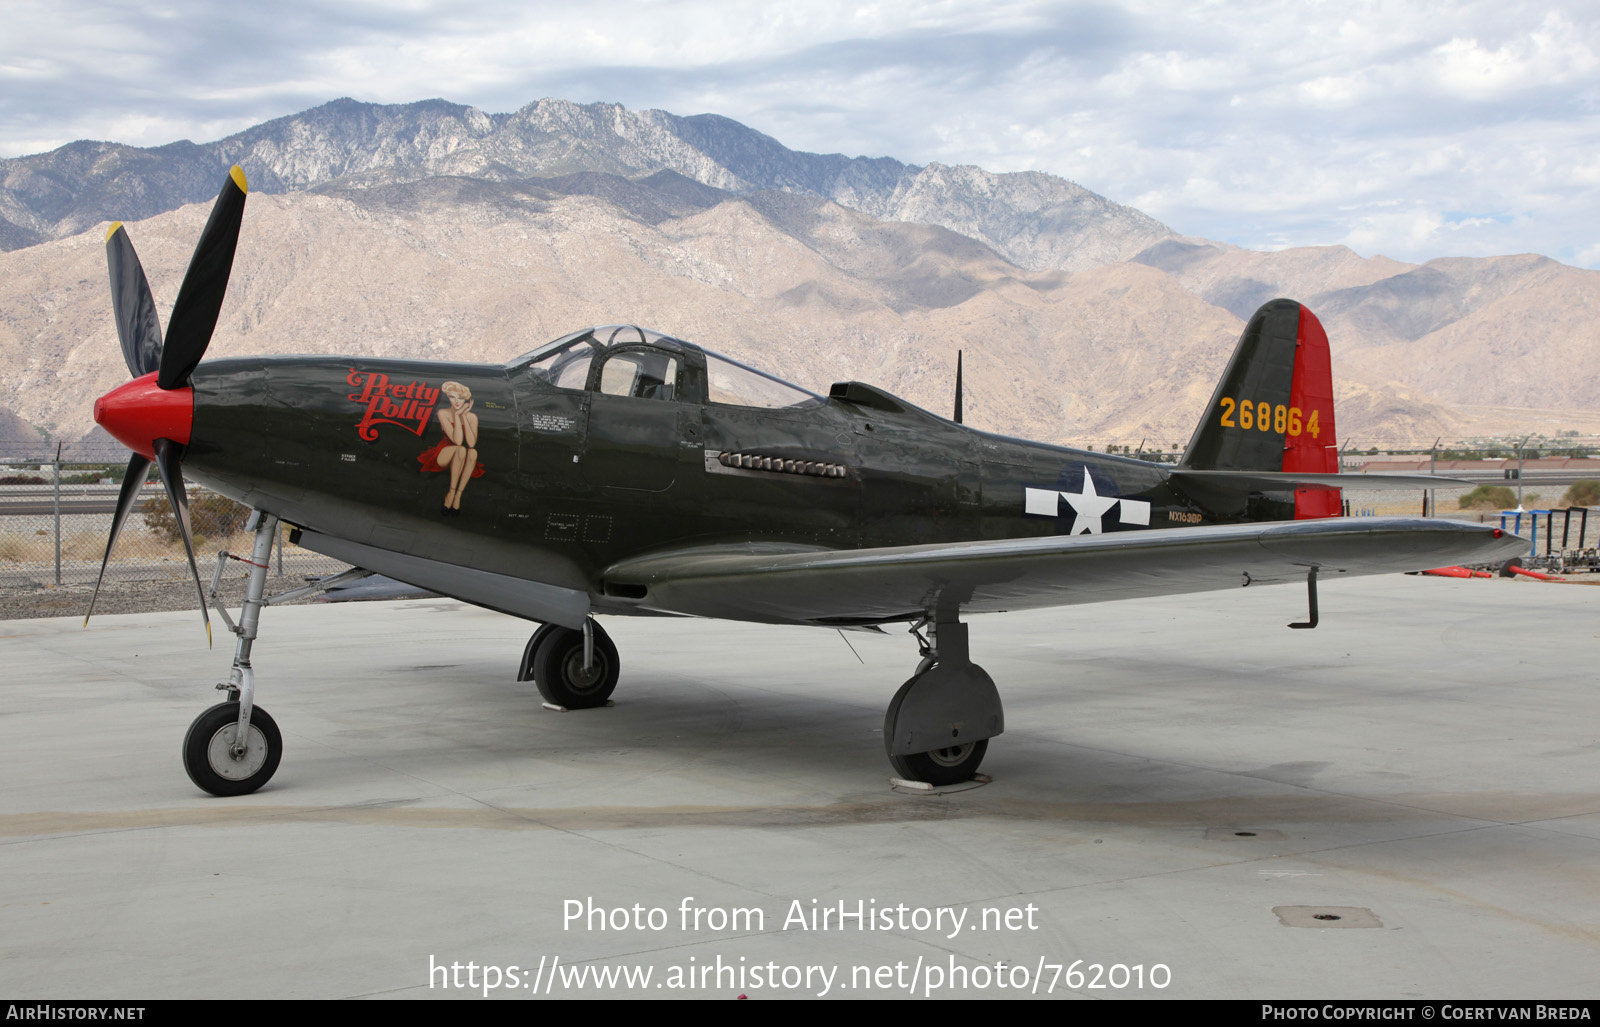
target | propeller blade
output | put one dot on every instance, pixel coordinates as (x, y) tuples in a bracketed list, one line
[(194, 316), (132, 481), (169, 460), (132, 305)]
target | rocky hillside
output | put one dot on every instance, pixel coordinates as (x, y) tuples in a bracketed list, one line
[(816, 292), (1035, 220), (1506, 332), (434, 230), (15, 432)]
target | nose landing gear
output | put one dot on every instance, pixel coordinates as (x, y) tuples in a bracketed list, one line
[(233, 748)]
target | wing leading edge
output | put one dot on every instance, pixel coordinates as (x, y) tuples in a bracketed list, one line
[(877, 585)]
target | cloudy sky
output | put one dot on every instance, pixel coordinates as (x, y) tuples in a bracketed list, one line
[(1415, 129)]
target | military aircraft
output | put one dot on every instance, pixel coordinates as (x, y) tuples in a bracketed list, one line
[(619, 471)]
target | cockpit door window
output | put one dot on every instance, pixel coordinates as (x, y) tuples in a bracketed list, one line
[(641, 374)]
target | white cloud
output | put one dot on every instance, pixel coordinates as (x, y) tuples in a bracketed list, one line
[(1254, 121), (1555, 53)]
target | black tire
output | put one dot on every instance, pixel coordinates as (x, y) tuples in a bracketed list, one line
[(558, 669), (949, 766), (206, 751), (525, 668)]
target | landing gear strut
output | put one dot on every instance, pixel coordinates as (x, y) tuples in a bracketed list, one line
[(939, 723), (233, 748), (573, 669)]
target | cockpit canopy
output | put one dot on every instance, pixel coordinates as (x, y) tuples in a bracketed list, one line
[(625, 360)]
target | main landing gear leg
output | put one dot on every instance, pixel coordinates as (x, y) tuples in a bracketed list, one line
[(574, 669), (938, 725), (234, 747)]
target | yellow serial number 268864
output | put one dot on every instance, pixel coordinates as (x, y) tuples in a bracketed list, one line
[(1265, 416)]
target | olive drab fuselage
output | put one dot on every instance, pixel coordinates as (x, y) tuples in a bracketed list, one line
[(568, 480)]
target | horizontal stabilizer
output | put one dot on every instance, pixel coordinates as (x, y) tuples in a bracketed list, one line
[(1285, 481)]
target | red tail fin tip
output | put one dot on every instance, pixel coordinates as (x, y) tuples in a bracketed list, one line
[(1315, 447)]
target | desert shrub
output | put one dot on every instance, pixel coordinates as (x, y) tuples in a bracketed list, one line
[(210, 516), (1495, 497), (22, 479), (1582, 493)]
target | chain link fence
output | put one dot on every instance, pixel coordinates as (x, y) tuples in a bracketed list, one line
[(56, 506)]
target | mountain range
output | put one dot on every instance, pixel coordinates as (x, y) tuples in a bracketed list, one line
[(433, 229)]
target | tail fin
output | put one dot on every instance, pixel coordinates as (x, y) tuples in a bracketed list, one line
[(1273, 409)]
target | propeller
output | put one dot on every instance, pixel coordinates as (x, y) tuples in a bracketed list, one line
[(169, 461), (152, 414), (132, 481), (134, 308), (194, 315)]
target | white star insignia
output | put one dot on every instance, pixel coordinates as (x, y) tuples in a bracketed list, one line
[(1089, 507)]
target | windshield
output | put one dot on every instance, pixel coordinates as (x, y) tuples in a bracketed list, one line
[(732, 383), (601, 336), (565, 363)]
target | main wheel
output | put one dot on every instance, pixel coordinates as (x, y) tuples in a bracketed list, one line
[(525, 668), (208, 753), (949, 766), (559, 673)]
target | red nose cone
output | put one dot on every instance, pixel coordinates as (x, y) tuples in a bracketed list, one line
[(138, 413)]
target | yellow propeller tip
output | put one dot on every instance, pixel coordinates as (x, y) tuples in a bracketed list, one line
[(112, 230), (237, 174)]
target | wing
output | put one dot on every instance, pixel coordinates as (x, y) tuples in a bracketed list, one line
[(519, 597), (877, 585)]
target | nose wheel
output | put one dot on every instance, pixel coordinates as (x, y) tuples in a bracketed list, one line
[(219, 763)]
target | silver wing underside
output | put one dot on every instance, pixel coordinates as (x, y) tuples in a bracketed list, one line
[(755, 583), (781, 584)]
